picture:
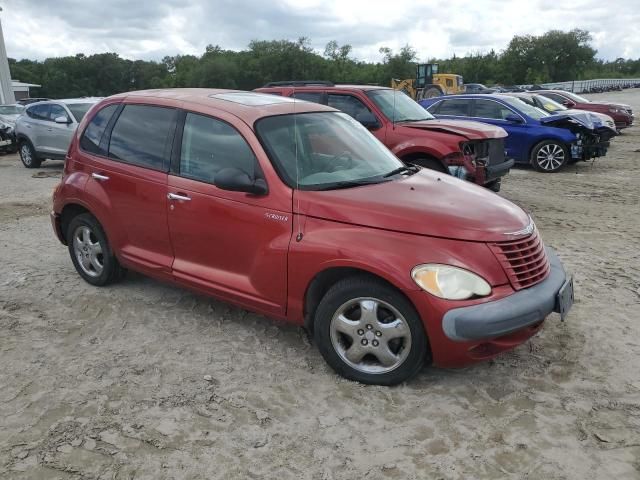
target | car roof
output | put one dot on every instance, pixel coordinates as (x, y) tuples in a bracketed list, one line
[(470, 96), (338, 86), (248, 106), (66, 101)]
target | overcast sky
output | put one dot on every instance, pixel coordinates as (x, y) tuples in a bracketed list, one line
[(151, 29)]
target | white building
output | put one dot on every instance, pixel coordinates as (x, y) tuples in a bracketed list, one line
[(21, 89)]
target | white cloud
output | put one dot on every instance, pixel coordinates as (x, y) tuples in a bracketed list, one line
[(150, 29)]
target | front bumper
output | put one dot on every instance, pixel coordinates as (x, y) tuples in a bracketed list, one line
[(518, 311), (499, 170)]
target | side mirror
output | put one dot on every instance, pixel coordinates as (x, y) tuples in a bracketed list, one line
[(568, 103), (513, 118), (237, 180), (368, 120), (62, 119)]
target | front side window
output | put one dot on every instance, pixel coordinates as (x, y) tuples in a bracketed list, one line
[(533, 112), (57, 111), (491, 109), (92, 136), (209, 145), (142, 136), (349, 105), (397, 106), (79, 110), (324, 150), (459, 108)]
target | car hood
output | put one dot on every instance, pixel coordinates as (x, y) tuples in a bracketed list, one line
[(600, 120), (582, 118), (9, 118), (468, 129), (425, 203), (610, 104)]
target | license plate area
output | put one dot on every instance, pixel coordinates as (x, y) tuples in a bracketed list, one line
[(564, 298), (5, 142)]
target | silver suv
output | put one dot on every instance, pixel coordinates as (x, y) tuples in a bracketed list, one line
[(44, 130)]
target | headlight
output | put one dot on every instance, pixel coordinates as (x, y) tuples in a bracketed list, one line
[(616, 110), (449, 282)]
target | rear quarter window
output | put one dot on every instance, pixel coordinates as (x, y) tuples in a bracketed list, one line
[(92, 136), (142, 136), (454, 107)]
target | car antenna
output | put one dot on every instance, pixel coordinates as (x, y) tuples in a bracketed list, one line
[(296, 213), (393, 117)]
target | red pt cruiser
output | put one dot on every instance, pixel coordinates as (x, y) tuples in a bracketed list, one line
[(294, 210)]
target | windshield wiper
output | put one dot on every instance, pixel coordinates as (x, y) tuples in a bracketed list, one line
[(402, 169), (348, 184), (411, 120)]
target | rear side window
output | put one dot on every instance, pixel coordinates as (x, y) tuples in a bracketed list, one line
[(454, 107), (92, 135), (142, 136), (315, 97), (209, 145)]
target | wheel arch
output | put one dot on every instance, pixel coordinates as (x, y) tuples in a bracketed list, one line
[(410, 157), (68, 213), (325, 279)]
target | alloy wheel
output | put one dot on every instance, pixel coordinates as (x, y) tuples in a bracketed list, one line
[(25, 154), (550, 157), (370, 335), (88, 251)]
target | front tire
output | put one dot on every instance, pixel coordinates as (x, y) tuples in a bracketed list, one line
[(368, 332), (549, 156), (430, 163), (28, 155), (90, 251)]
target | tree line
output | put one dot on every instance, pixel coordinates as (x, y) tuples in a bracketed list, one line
[(551, 57)]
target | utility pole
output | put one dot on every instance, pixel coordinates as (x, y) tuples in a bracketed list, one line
[(6, 90)]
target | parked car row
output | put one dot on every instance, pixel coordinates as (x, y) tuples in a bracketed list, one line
[(546, 141), (297, 211)]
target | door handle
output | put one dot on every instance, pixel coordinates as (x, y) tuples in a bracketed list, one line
[(175, 196), (97, 176)]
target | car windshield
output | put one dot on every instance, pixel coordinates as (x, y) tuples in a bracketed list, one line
[(79, 110), (11, 109), (576, 98), (324, 151), (549, 105), (524, 107), (397, 106)]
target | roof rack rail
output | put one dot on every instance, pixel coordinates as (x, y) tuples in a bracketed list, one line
[(299, 83)]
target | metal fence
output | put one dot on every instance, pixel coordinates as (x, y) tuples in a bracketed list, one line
[(583, 86)]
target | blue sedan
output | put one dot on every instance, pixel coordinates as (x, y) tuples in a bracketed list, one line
[(547, 142)]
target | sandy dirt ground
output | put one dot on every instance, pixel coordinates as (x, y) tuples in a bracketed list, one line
[(147, 381)]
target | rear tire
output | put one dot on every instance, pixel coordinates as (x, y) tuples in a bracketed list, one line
[(549, 156), (368, 332), (28, 155), (90, 251)]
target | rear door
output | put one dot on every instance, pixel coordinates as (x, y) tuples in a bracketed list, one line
[(127, 166), (231, 244)]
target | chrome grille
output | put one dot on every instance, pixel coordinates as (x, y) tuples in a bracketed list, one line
[(524, 261)]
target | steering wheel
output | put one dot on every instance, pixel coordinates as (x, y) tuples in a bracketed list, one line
[(335, 163)]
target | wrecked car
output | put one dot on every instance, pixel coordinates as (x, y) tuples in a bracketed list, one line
[(469, 150), (553, 107), (547, 142)]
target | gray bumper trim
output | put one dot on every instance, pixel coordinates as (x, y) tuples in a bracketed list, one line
[(522, 309)]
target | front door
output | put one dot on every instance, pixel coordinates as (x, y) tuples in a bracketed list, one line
[(56, 136), (231, 244)]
